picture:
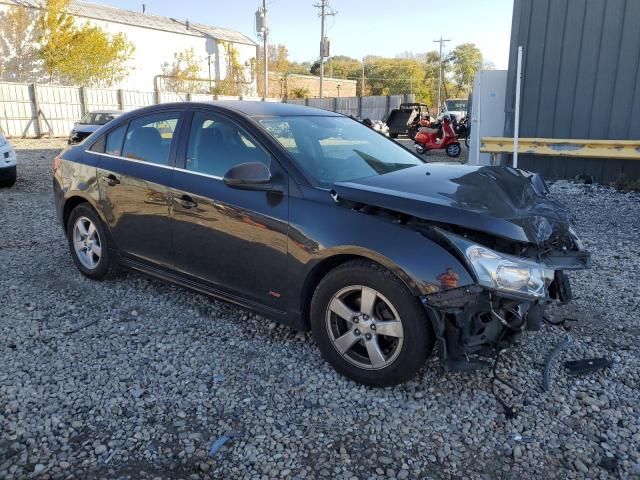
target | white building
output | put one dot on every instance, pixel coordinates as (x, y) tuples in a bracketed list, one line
[(157, 39)]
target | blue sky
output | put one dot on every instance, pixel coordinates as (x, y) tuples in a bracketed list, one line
[(362, 27)]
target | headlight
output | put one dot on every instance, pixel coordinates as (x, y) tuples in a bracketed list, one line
[(504, 272)]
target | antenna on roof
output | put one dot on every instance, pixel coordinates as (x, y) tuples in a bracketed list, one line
[(186, 23), (144, 8)]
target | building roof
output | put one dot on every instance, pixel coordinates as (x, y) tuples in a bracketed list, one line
[(143, 20)]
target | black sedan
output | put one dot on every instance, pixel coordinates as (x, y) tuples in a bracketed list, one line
[(317, 221)]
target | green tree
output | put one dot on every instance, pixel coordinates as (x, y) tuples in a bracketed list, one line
[(235, 82), (18, 54), (179, 75), (84, 54), (466, 60), (299, 92)]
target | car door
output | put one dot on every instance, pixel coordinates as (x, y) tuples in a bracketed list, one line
[(233, 240), (133, 174)]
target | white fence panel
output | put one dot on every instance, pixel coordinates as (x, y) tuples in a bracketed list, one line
[(323, 103), (347, 105), (133, 100), (17, 110), (101, 99), (202, 97), (60, 106), (374, 108), (168, 97)]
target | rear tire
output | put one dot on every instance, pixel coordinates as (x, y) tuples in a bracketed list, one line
[(351, 308), (11, 179), (393, 135), (89, 244)]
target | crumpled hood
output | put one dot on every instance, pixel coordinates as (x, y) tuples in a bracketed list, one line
[(501, 201)]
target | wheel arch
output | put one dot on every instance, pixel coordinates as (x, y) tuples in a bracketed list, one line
[(72, 202), (321, 268)]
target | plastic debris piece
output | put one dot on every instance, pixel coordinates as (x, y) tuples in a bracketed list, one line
[(218, 378), (222, 439), (546, 375), (521, 438), (586, 365)]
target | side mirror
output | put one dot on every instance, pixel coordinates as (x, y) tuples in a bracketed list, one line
[(249, 176)]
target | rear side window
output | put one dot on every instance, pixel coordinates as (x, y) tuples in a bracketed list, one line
[(114, 140), (149, 137)]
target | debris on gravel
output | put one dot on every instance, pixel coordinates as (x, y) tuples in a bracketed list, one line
[(164, 372)]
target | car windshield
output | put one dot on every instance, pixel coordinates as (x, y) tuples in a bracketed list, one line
[(97, 118), (456, 105), (338, 149)]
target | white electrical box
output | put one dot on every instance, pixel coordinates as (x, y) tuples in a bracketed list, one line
[(487, 111)]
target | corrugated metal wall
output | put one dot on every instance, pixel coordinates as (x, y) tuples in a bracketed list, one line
[(581, 79)]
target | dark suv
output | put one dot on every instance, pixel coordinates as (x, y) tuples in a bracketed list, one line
[(317, 221)]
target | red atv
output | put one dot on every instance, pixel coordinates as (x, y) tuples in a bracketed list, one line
[(427, 139)]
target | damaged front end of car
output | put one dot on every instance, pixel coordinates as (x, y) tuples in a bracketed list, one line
[(509, 296), (502, 226)]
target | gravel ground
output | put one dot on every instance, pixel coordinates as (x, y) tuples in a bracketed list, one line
[(160, 373)]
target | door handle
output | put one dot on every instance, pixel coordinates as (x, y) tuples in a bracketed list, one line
[(112, 180), (187, 202)]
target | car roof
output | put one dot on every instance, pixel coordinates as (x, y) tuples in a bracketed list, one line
[(110, 112), (274, 109)]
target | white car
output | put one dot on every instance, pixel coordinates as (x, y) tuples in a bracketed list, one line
[(7, 163)]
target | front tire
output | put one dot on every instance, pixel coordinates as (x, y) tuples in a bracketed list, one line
[(10, 179), (89, 244), (369, 326)]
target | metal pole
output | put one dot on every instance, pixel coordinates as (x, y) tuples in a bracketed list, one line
[(362, 88), (516, 120), (441, 41), (323, 6), (266, 51)]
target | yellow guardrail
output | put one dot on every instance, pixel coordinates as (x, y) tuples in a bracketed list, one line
[(554, 147)]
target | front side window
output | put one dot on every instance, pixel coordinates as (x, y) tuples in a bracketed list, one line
[(149, 137), (337, 149), (217, 144)]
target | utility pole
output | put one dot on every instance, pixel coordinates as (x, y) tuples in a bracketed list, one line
[(266, 50), (441, 41), (262, 29), (325, 10), (362, 87)]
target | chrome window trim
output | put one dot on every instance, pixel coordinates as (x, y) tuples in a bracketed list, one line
[(117, 157), (215, 177)]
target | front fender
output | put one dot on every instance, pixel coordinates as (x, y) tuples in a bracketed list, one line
[(318, 234)]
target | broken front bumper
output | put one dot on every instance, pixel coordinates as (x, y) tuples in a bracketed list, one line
[(477, 320)]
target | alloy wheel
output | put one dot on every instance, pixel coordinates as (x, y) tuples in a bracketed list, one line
[(364, 327), (86, 243)]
